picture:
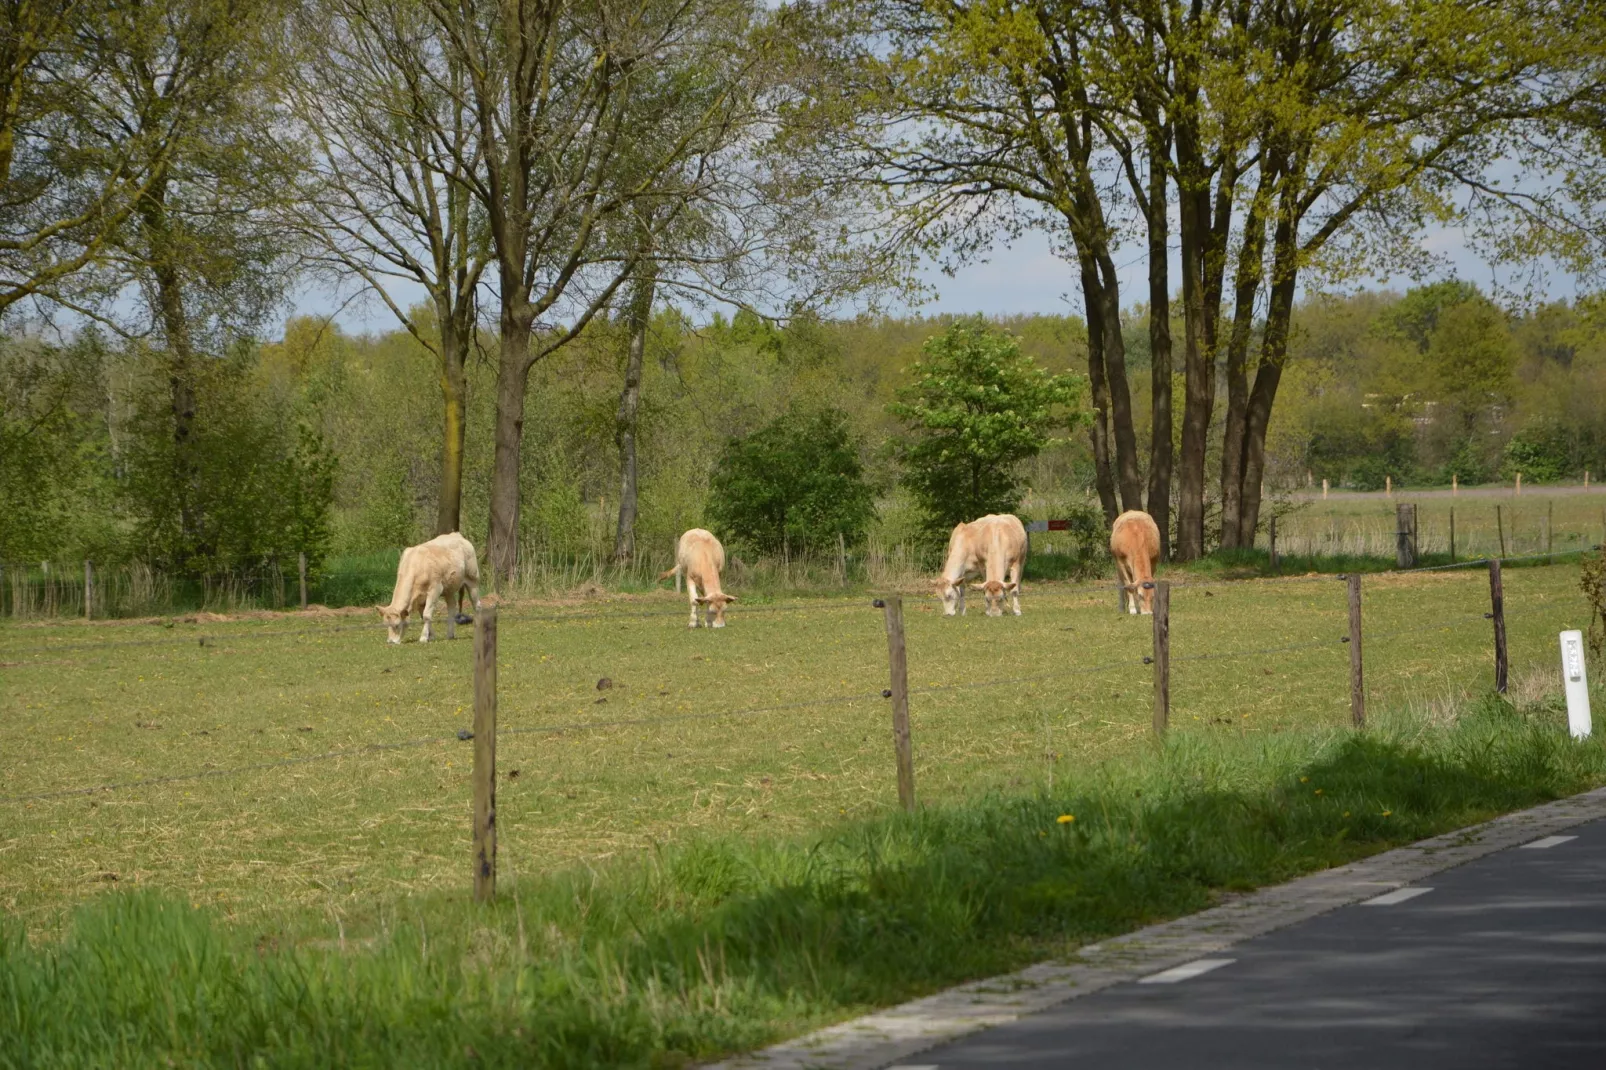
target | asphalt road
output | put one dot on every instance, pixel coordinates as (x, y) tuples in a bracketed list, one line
[(1502, 963)]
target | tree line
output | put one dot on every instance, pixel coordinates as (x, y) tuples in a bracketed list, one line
[(553, 175)]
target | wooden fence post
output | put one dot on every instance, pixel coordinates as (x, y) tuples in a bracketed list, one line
[(1519, 484), (898, 692), (1357, 676), (1404, 535), (1497, 606), (1455, 484), (842, 558), (1272, 525), (301, 568), (1500, 530), (1324, 488), (485, 755), (1162, 656), (674, 559), (89, 589), (1550, 529)]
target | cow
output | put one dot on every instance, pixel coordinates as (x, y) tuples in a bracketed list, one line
[(994, 545), (444, 566), (1135, 545), (699, 557)]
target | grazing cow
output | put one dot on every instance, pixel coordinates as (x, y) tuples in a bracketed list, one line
[(444, 566), (1135, 545), (994, 545), (700, 557)]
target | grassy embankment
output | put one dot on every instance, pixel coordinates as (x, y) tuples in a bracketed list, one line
[(675, 888)]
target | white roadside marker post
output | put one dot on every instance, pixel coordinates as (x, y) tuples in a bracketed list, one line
[(1572, 673)]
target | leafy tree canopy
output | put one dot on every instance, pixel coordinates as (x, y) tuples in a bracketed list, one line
[(795, 484), (976, 408)]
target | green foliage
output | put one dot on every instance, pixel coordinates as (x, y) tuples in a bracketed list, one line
[(1540, 452), (1592, 581), (976, 408), (795, 484)]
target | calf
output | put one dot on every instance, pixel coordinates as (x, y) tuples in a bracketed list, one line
[(699, 557), (446, 565), (994, 545), (1135, 545)]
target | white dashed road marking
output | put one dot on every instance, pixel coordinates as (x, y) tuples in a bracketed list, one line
[(1185, 971), (1398, 895), (1549, 841)]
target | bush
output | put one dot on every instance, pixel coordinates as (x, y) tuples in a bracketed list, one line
[(978, 406), (1540, 452), (1370, 473), (794, 485)]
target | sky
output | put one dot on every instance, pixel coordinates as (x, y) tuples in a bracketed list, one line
[(1025, 278)]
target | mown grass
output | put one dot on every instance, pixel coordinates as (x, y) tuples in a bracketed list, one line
[(724, 942)]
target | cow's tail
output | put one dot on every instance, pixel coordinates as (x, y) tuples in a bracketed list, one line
[(671, 572)]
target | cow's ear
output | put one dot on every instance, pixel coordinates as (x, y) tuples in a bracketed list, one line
[(730, 598), (701, 601), (381, 609)]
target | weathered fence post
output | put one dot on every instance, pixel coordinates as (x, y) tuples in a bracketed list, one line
[(1500, 529), (1272, 526), (1357, 675), (485, 754), (1404, 535), (1550, 529), (1388, 486), (1455, 484), (1452, 534), (842, 558), (674, 560), (1162, 655), (898, 692), (89, 589), (301, 568), (1519, 484), (1324, 488), (1497, 606)]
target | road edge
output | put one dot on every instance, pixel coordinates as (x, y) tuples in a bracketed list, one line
[(885, 1037)]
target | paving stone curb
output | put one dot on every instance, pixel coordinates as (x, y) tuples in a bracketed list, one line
[(886, 1037)]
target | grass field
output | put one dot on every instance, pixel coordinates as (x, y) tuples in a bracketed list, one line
[(686, 741), (710, 858)]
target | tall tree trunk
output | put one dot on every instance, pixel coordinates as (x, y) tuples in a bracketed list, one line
[(1128, 475), (1273, 355), (1200, 381), (512, 379), (1160, 458), (1246, 288), (1099, 429), (639, 318), (454, 395), (181, 369)]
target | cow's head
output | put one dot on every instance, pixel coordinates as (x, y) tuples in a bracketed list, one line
[(395, 620), (716, 604), (952, 593), (996, 591), (1141, 595)]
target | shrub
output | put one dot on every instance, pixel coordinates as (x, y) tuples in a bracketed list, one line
[(977, 407), (1540, 452), (795, 484)]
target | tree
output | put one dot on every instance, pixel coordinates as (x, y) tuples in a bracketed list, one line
[(388, 195), (977, 406), (559, 95), (795, 484)]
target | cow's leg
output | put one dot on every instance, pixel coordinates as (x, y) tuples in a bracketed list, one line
[(451, 613), (691, 591), (428, 612), (1014, 585)]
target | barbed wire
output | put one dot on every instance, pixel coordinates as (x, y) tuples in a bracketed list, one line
[(1484, 561)]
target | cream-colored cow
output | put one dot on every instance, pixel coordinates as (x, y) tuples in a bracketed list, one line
[(994, 545), (1135, 545), (699, 557), (444, 566)]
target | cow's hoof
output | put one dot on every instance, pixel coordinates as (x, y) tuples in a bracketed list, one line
[(464, 618)]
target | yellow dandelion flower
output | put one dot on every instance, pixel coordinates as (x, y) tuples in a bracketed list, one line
[(1318, 791), (1346, 813), (1386, 813), (1304, 780), (1065, 819)]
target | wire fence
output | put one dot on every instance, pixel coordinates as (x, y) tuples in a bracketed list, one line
[(528, 720)]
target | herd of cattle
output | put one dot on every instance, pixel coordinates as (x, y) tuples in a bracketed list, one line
[(993, 547)]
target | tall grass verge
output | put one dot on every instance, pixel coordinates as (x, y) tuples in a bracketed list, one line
[(724, 944)]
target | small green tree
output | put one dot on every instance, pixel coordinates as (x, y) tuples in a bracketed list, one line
[(795, 484), (976, 408)]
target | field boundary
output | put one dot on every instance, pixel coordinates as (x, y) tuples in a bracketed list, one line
[(876, 1040)]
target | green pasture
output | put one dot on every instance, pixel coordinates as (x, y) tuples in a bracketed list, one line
[(773, 726)]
